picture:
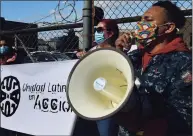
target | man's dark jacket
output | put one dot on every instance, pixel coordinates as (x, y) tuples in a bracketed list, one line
[(167, 82)]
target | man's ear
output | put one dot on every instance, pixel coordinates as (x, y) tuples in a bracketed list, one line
[(171, 28)]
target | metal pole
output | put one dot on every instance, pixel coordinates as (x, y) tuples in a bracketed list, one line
[(41, 29), (15, 42), (93, 14), (0, 7), (87, 25), (1, 20)]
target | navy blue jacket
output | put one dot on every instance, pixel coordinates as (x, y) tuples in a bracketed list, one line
[(167, 83)]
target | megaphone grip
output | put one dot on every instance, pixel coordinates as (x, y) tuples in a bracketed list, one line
[(112, 97)]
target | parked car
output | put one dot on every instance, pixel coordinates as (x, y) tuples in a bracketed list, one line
[(72, 55), (60, 56), (40, 56)]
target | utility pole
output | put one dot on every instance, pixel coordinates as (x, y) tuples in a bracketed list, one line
[(1, 19), (0, 7), (88, 24)]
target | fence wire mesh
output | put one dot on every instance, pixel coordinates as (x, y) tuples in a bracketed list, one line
[(55, 40), (69, 40), (123, 9)]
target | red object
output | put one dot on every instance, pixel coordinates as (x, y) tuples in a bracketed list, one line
[(111, 24), (176, 45)]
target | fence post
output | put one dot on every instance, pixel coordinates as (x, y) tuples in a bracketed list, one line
[(87, 24)]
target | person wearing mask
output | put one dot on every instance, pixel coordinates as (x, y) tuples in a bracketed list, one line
[(8, 54), (161, 104), (106, 33), (6, 57)]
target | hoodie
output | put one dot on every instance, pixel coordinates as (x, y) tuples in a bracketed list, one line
[(176, 45)]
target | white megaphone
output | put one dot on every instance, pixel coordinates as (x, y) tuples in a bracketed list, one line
[(100, 83)]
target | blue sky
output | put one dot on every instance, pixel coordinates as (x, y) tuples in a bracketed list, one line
[(30, 11)]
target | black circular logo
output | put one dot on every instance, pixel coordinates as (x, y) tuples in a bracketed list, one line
[(9, 95)]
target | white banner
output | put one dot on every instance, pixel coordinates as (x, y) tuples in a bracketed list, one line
[(33, 98)]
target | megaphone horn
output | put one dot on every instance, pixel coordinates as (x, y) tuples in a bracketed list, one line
[(100, 83)]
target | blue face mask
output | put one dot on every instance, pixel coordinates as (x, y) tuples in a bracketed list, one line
[(4, 50), (99, 37)]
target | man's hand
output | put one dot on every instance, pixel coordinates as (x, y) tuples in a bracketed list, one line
[(80, 54), (124, 41)]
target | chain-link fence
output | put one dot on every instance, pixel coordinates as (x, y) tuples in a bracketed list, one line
[(63, 38), (126, 9)]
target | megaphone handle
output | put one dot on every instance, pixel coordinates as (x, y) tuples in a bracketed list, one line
[(111, 96)]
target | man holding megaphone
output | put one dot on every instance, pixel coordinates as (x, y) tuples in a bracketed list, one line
[(163, 66), (148, 89)]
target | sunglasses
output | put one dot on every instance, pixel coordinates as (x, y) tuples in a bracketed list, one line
[(101, 29)]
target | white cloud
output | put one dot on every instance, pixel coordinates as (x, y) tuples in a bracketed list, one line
[(52, 11), (56, 16)]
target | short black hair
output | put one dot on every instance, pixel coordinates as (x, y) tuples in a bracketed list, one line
[(174, 13), (99, 15), (99, 12)]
